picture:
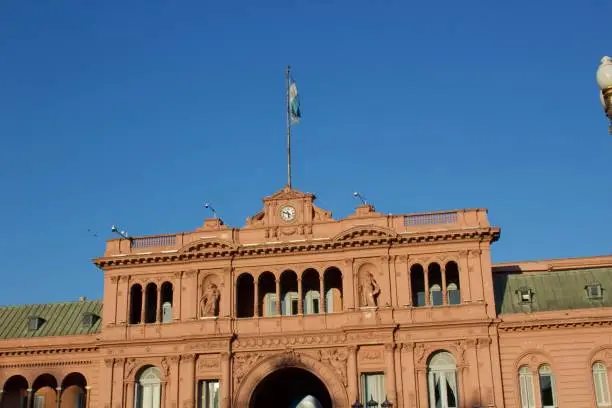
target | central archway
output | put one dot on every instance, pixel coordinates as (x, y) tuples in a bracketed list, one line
[(325, 382), (287, 387)]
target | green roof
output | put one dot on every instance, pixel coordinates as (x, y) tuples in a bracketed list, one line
[(556, 290), (58, 319)]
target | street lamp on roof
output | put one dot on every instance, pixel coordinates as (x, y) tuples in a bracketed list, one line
[(604, 80)]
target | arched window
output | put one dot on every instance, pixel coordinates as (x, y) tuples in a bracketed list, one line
[(602, 386), (148, 388), (150, 303), (547, 387), (526, 387), (166, 302), (417, 283), (435, 284), (442, 379), (332, 280), (452, 283), (135, 304)]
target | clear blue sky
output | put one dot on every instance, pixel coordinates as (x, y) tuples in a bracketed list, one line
[(138, 112)]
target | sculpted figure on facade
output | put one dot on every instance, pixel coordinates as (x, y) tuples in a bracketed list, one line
[(209, 303), (369, 290)]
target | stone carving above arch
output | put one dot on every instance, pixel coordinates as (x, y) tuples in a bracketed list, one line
[(208, 245), (602, 354), (291, 358), (533, 359), (365, 231)]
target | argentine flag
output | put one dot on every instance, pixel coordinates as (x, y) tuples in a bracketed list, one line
[(294, 103)]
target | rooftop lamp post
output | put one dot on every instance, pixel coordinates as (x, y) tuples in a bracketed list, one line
[(604, 80)]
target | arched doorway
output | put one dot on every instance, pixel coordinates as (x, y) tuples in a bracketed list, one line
[(291, 387)]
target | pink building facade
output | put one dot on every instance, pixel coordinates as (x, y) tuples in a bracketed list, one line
[(297, 309)]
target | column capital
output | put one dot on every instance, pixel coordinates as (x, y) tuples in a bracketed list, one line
[(390, 346), (353, 348)]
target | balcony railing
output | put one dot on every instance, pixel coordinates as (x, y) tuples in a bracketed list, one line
[(430, 219), (153, 242)]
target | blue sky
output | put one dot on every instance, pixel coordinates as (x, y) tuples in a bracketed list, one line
[(138, 112)]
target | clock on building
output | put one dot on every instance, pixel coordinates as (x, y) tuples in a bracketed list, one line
[(287, 213)]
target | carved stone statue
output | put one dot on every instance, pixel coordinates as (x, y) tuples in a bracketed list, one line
[(209, 303), (369, 291)]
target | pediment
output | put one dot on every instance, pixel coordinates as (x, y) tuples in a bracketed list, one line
[(208, 245), (288, 193), (365, 231)]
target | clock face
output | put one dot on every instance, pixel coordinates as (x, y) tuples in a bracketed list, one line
[(287, 213)]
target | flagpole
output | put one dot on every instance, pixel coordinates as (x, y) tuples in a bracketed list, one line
[(287, 75)]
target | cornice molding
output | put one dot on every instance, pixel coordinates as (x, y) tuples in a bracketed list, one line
[(366, 236), (541, 325), (36, 364), (50, 351)]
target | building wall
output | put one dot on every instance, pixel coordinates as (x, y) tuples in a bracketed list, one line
[(394, 336)]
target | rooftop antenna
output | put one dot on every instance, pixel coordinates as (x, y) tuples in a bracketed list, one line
[(360, 198), (118, 231)]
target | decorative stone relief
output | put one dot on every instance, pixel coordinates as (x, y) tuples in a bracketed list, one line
[(208, 363), (243, 363), (337, 359), (165, 367), (129, 368)]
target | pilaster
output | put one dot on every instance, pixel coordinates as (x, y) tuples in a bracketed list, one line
[(186, 381), (390, 372), (353, 375), (226, 380), (177, 296)]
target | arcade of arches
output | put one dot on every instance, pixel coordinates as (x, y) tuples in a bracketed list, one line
[(46, 391)]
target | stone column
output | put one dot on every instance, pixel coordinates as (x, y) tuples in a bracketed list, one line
[(426, 283), (322, 298), (143, 304), (353, 375), (278, 297), (390, 372), (158, 312), (443, 283), (402, 281), (30, 397), (226, 380), (187, 380), (255, 299), (86, 394), (176, 296), (1, 396), (58, 397), (300, 297)]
